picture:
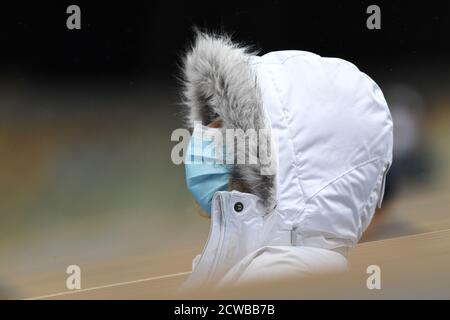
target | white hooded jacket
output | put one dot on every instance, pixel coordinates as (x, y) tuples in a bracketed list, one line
[(333, 143)]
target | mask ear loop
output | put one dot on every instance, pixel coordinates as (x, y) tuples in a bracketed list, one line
[(387, 166)]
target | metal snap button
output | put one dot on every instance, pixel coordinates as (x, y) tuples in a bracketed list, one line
[(238, 207)]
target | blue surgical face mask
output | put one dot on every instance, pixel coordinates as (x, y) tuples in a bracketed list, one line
[(205, 172)]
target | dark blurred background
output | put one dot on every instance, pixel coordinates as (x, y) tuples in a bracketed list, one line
[(133, 41), (86, 117)]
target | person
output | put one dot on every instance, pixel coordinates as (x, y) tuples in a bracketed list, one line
[(331, 147)]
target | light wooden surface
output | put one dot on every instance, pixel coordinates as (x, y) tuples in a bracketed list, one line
[(415, 266)]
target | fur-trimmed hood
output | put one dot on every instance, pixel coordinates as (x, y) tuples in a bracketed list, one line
[(331, 123)]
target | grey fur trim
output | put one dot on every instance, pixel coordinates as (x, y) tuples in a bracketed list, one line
[(218, 82)]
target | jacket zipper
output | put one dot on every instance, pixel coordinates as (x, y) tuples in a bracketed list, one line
[(221, 239)]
